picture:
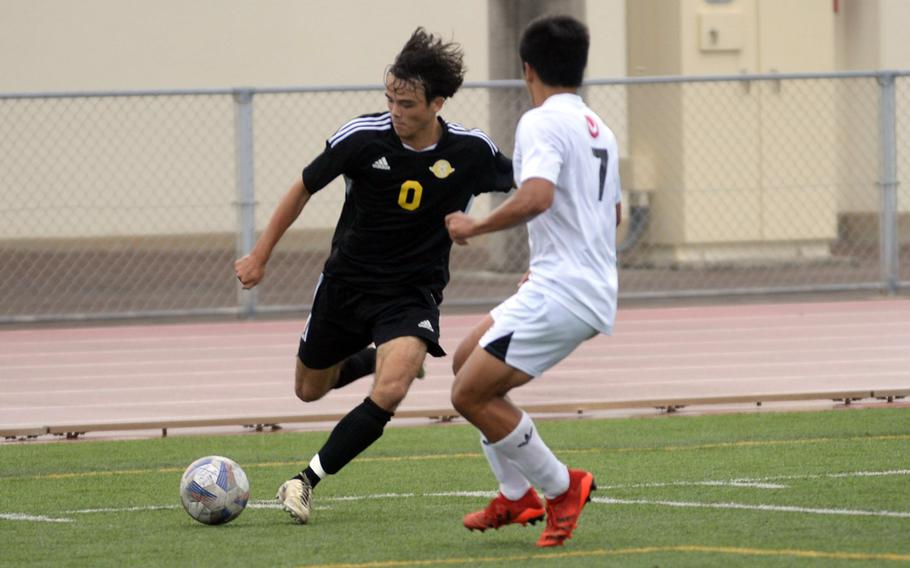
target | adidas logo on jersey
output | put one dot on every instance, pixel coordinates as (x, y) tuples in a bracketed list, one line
[(426, 325), (381, 164)]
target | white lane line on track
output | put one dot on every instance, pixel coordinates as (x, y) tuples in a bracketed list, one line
[(810, 326), (586, 353), (282, 341), (286, 371), (178, 362), (806, 320), (176, 338), (7, 405), (593, 353), (286, 347), (119, 377), (169, 362), (738, 365), (614, 342)]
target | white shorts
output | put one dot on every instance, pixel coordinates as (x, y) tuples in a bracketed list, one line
[(532, 332)]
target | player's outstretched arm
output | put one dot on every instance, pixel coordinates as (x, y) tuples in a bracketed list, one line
[(533, 198), (250, 269)]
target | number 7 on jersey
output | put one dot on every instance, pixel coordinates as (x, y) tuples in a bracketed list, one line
[(601, 154)]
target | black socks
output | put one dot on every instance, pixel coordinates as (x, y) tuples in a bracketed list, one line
[(357, 366), (353, 434)]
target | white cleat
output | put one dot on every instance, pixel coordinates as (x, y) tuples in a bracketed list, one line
[(294, 497)]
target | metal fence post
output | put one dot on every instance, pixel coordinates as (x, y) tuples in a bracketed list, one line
[(888, 237), (246, 195)]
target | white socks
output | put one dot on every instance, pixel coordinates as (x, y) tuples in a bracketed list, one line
[(512, 483), (524, 453)]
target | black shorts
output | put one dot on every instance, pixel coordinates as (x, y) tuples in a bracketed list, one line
[(344, 320)]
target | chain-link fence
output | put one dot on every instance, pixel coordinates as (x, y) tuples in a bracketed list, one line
[(136, 204)]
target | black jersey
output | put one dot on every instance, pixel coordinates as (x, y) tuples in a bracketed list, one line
[(391, 234)]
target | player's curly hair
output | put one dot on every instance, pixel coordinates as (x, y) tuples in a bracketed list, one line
[(428, 61)]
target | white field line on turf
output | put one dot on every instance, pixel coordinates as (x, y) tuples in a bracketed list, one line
[(33, 518), (731, 483), (490, 494), (749, 507), (761, 482), (757, 483), (120, 509), (885, 473), (599, 500)]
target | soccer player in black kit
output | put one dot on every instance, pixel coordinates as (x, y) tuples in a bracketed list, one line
[(405, 169)]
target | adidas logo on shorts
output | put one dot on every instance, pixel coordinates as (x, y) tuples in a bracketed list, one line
[(381, 164), (426, 325)]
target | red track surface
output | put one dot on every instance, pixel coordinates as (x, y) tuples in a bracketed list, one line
[(192, 371)]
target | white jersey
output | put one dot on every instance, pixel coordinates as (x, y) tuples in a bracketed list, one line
[(573, 243)]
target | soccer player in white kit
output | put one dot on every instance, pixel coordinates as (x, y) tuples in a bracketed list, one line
[(566, 167)]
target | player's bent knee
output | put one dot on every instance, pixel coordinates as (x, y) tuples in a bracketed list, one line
[(311, 385), (462, 401), (307, 393)]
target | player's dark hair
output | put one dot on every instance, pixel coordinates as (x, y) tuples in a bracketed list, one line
[(557, 48), (428, 61)]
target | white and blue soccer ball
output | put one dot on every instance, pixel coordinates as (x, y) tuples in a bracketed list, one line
[(214, 490)]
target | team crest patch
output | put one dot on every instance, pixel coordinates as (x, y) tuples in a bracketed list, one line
[(442, 169), (593, 129)]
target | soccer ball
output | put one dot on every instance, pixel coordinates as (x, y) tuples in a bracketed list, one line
[(214, 490)]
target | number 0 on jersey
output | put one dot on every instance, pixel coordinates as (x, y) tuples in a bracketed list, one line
[(410, 194)]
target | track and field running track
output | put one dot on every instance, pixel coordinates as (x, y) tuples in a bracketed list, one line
[(146, 379)]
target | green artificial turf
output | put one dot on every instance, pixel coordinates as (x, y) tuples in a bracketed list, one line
[(764, 489)]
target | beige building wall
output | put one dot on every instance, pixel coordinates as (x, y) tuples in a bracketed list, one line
[(871, 35), (756, 203), (111, 188), (59, 45)]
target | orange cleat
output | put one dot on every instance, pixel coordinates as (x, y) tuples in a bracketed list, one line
[(502, 511), (563, 511)]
